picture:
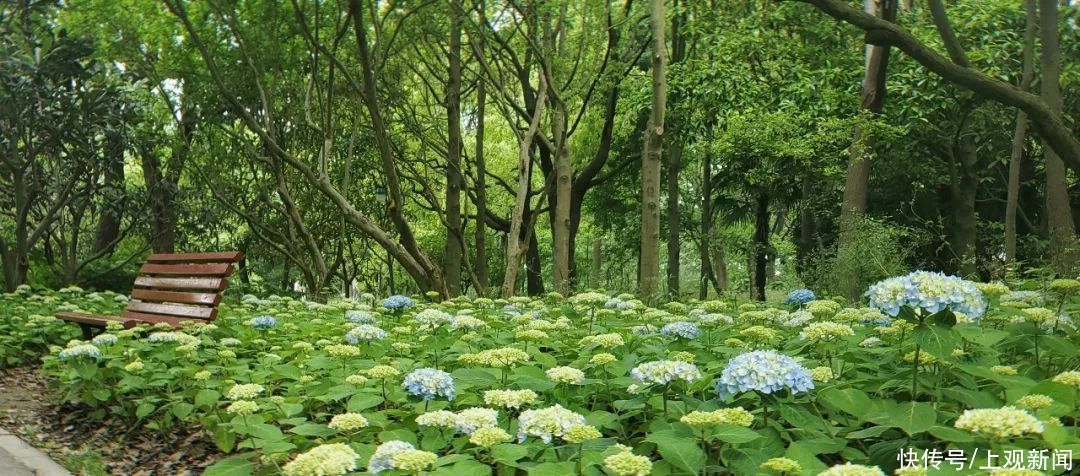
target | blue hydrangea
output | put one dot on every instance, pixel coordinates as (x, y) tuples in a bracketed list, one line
[(80, 350), (428, 384), (364, 332), (105, 339), (799, 297), (398, 302), (878, 321), (263, 322), (681, 329), (383, 458), (360, 317), (765, 371), (929, 291)]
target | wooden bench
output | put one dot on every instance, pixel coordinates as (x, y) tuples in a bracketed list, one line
[(171, 288)]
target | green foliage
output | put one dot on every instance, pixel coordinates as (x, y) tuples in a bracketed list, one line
[(865, 413), (879, 250)]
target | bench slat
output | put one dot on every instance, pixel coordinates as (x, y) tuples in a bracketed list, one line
[(209, 299), (93, 319), (177, 310), (223, 257), (211, 269), (212, 284), (141, 318)]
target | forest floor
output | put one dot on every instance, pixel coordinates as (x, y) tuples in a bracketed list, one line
[(87, 446)]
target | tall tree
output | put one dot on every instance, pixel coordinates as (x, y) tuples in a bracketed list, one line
[(1019, 133), (651, 156), (674, 160), (455, 247), (872, 93), (1063, 244)]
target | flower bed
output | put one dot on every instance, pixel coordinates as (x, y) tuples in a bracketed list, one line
[(589, 384)]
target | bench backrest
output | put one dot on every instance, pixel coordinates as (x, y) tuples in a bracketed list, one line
[(183, 286)]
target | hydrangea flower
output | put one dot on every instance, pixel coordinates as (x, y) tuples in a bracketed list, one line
[(681, 330), (799, 297), (1034, 402), (244, 391), (414, 461), (437, 418), (826, 331), (364, 332), (398, 303), (263, 323), (466, 322), (929, 291), (607, 341), (105, 340), (471, 419), (242, 407), (848, 469), (567, 375), (80, 350), (578, 434), (360, 317), (765, 371), (333, 459), (662, 372), (724, 416), (432, 317), (429, 384), (603, 358), (999, 423), (514, 399), (488, 437), (348, 422), (714, 319), (782, 466), (383, 458), (1071, 377), (547, 423), (625, 463)]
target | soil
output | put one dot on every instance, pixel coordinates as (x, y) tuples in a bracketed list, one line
[(90, 446)]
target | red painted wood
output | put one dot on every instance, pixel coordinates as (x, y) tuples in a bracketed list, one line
[(178, 310), (221, 257), (212, 284), (211, 269), (209, 299)]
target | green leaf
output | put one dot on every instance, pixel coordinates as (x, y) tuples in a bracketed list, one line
[(914, 417), (681, 451), (235, 466), (181, 410), (144, 409), (849, 400), (936, 340), (101, 394), (363, 401), (207, 398), (266, 432), (312, 429), (509, 454), (552, 469), (951, 434), (224, 438), (872, 432), (733, 434)]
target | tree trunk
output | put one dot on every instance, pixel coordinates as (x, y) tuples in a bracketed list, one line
[(649, 276), (560, 226), (161, 195), (675, 149), (1058, 211), (480, 239), (1019, 136), (857, 180), (454, 246), (719, 270), (594, 273), (761, 247), (965, 221), (514, 245), (108, 227), (1045, 120), (534, 272)]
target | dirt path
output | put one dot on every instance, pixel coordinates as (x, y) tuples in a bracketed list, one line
[(87, 446)]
